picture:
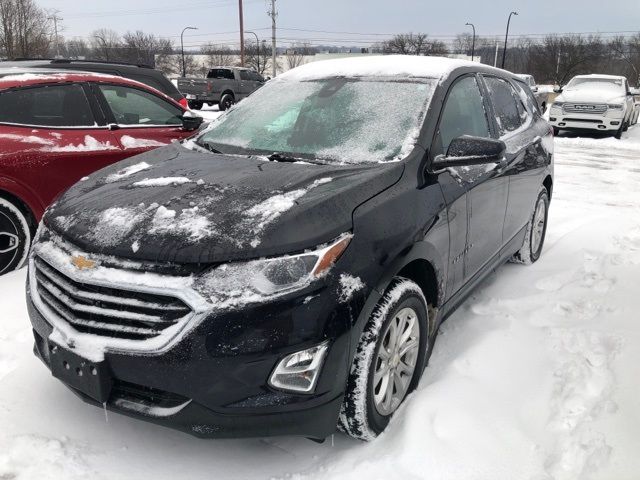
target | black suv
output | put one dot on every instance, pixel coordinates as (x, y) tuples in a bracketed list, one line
[(141, 73), (286, 271)]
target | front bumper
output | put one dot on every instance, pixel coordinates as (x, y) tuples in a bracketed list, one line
[(610, 121), (211, 378)]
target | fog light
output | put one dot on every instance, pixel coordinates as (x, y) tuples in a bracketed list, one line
[(552, 119), (615, 123), (299, 371)]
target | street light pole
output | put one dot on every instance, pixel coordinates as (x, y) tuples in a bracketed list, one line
[(473, 42), (257, 48), (241, 15), (184, 68), (506, 36)]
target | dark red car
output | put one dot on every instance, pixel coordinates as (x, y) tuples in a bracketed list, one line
[(58, 127)]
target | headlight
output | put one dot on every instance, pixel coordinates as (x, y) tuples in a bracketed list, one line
[(234, 284), (615, 106)]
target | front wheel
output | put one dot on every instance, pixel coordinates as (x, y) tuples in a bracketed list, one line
[(15, 237), (226, 102), (389, 360), (536, 230)]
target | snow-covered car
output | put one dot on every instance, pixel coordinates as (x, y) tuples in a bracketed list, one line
[(593, 102), (287, 269), (541, 96), (57, 127)]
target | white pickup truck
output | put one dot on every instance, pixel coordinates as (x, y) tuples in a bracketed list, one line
[(593, 102)]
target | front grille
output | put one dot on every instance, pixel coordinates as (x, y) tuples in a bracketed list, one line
[(589, 108), (104, 311)]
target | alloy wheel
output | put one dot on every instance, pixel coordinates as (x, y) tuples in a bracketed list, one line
[(9, 241), (537, 226), (395, 361)]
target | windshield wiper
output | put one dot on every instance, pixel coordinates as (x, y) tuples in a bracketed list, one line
[(283, 157), (209, 147)]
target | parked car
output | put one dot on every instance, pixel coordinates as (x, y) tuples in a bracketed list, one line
[(542, 97), (138, 72), (288, 269), (223, 86), (58, 127), (593, 102)]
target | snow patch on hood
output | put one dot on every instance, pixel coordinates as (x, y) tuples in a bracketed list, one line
[(128, 171), (90, 145), (161, 182), (131, 142)]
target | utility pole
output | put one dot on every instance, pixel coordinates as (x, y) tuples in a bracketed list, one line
[(273, 14), (241, 33), (56, 19), (495, 60)]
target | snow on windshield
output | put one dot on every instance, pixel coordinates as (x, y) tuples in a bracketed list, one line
[(344, 120)]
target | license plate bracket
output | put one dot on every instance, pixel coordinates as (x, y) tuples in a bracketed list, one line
[(91, 378)]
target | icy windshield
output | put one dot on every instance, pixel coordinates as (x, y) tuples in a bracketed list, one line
[(337, 119), (609, 83)]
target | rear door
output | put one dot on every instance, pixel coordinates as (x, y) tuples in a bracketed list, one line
[(139, 119), (53, 135)]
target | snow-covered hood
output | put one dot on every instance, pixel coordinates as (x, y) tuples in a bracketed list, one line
[(177, 205), (590, 95)]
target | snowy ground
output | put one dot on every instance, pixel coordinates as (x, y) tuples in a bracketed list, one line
[(535, 377)]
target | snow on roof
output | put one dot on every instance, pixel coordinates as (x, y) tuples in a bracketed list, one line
[(601, 75), (378, 66)]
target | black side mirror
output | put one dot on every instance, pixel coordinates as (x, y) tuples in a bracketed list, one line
[(557, 89), (191, 122), (467, 150)]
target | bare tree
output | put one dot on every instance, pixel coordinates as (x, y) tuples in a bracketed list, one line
[(413, 44), (76, 48), (25, 29), (217, 55), (105, 44), (140, 47), (258, 56)]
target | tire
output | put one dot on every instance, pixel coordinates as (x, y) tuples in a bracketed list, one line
[(625, 126), (556, 131), (534, 238), (195, 104), (15, 237), (226, 102), (363, 414), (618, 133)]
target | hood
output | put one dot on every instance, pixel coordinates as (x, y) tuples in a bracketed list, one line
[(174, 204), (590, 95)]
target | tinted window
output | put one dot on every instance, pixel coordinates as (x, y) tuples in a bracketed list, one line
[(510, 112), (147, 80), (245, 75), (463, 113), (47, 106), (136, 107), (221, 73), (255, 76)]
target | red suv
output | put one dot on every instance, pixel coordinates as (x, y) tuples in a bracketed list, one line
[(58, 127)]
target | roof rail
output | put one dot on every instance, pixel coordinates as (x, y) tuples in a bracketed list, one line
[(71, 60)]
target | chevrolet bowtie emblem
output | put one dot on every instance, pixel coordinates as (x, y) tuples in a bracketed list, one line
[(82, 263)]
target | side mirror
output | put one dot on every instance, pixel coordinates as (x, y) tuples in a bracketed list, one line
[(557, 89), (534, 89), (190, 121), (467, 150)]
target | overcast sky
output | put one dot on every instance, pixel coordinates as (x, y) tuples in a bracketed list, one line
[(217, 20)]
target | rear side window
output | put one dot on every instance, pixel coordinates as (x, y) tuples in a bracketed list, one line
[(463, 113), (508, 107), (223, 73), (137, 107), (47, 106)]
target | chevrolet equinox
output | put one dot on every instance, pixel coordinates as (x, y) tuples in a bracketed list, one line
[(286, 270)]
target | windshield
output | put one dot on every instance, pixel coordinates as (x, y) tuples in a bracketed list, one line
[(609, 83), (337, 119)]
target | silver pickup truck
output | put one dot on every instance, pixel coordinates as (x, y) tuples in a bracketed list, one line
[(223, 86)]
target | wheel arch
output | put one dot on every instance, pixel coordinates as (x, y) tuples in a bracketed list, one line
[(23, 198), (548, 184)]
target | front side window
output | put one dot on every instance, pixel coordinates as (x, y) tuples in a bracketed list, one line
[(508, 107), (136, 107), (463, 113), (47, 106), (346, 120), (245, 75)]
